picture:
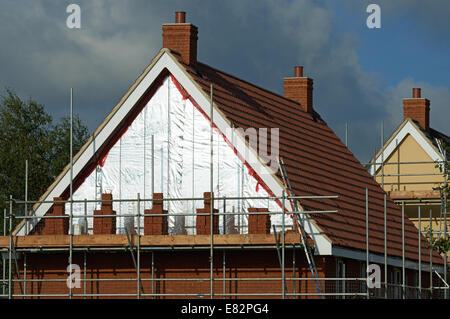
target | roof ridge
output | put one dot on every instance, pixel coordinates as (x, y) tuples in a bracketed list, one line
[(439, 132)]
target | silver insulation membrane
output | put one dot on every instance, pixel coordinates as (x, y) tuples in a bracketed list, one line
[(181, 157)]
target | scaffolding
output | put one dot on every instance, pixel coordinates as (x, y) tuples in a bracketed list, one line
[(378, 170), (331, 287), (353, 288)]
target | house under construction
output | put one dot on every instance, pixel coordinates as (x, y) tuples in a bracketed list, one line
[(412, 167), (202, 185)]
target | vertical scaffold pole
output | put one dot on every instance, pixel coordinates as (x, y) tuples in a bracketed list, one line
[(420, 252), (403, 252), (367, 236), (224, 217), (84, 254), (294, 290), (26, 196), (3, 258), (282, 248), (71, 189), (145, 153), (84, 273), (211, 251), (385, 250), (346, 134), (138, 265), (24, 274), (445, 221), (10, 250), (382, 154), (153, 274), (153, 166), (223, 273), (431, 256)]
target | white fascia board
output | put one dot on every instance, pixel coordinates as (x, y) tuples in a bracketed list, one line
[(379, 259), (322, 243), (408, 128)]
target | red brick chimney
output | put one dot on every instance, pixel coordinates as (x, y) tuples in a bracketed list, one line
[(300, 89), (182, 38), (417, 108)]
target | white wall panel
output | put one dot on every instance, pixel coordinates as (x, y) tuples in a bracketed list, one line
[(181, 165)]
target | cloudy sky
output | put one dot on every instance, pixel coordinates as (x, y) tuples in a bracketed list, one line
[(360, 74)]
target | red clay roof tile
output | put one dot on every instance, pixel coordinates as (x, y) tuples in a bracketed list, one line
[(318, 163)]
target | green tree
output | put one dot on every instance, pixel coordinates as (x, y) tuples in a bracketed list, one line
[(60, 136), (27, 132), (446, 169), (438, 241)]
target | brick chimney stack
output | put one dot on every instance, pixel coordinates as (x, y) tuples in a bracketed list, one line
[(417, 108), (182, 38), (300, 89)]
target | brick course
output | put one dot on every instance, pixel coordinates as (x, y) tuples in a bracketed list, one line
[(156, 225), (300, 89), (417, 109), (203, 222), (54, 226), (105, 225), (181, 38), (258, 224), (191, 264)]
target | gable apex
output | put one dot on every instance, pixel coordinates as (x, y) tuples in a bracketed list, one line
[(406, 128), (164, 63)]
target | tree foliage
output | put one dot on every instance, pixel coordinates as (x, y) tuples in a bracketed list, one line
[(27, 132), (60, 137), (439, 242)]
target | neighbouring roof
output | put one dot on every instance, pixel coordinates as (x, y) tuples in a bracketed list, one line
[(432, 135), (427, 139)]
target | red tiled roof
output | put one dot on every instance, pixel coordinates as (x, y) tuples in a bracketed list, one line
[(317, 163)]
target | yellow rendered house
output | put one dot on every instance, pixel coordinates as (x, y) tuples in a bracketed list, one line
[(409, 165)]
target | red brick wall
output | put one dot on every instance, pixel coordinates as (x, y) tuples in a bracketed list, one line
[(53, 226), (258, 224), (182, 38), (417, 109), (300, 89), (203, 222), (156, 225), (192, 264), (170, 264), (105, 225)]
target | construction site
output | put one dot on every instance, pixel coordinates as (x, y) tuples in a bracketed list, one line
[(202, 185)]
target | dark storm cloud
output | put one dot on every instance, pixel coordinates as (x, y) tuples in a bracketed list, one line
[(259, 41)]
